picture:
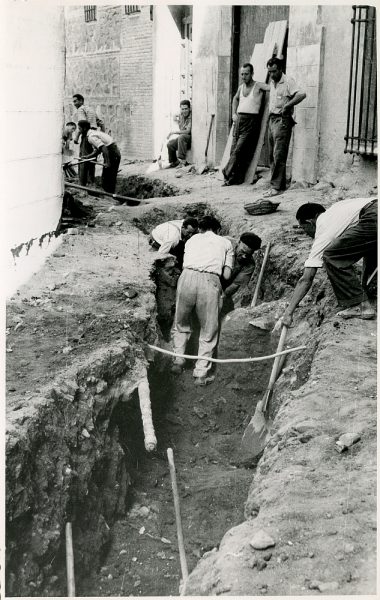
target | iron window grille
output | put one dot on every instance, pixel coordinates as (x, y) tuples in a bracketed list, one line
[(89, 13), (130, 9), (361, 135)]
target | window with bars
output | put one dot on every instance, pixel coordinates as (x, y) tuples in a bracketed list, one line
[(361, 135), (89, 13), (130, 9)]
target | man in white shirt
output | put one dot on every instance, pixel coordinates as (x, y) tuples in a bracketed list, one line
[(343, 234), (102, 143), (171, 237), (84, 112), (284, 94), (208, 257)]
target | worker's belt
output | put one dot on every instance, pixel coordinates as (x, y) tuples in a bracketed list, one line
[(152, 242), (199, 271)]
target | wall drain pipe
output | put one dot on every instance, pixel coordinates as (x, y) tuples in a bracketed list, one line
[(150, 440), (70, 561)]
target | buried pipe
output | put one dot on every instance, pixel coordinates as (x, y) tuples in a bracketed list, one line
[(70, 561), (181, 545), (227, 360), (150, 440)]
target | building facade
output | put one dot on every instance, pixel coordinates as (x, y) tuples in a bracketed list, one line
[(135, 63), (33, 80)]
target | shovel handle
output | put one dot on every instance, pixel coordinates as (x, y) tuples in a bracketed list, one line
[(261, 274), (209, 133), (277, 360)]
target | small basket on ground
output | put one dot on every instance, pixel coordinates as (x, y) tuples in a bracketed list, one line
[(261, 207)]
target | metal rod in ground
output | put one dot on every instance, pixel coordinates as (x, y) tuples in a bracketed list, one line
[(70, 562), (101, 193), (259, 280), (181, 545)]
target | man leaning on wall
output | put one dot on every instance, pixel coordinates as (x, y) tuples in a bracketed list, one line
[(284, 94)]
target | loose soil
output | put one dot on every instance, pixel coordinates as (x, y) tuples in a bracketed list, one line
[(318, 506)]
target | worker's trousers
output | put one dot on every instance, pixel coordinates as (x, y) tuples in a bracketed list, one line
[(202, 292), (109, 174), (244, 141), (279, 135), (358, 241), (178, 147), (86, 171)]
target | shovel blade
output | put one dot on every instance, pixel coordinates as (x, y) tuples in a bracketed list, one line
[(255, 435)]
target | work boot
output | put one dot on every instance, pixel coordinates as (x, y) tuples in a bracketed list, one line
[(177, 366), (204, 380)]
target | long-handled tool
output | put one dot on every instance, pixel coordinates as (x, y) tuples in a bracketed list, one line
[(181, 545), (93, 192), (260, 277), (79, 162), (256, 433), (203, 167)]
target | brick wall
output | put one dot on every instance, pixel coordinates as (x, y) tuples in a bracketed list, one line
[(136, 82), (109, 62)]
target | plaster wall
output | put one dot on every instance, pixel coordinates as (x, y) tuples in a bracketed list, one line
[(33, 80), (166, 75), (305, 64), (319, 53), (109, 62), (211, 79), (334, 97)]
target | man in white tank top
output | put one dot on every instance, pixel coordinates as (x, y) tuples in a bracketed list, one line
[(246, 106)]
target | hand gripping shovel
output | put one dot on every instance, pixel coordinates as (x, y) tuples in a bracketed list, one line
[(256, 433)]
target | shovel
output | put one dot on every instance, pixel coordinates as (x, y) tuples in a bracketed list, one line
[(203, 167), (260, 277), (256, 433)]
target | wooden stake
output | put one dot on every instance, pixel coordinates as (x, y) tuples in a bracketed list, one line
[(181, 545), (70, 562)]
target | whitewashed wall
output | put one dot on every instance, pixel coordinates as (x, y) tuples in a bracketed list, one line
[(166, 74), (33, 105)]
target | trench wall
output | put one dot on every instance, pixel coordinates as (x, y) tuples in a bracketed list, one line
[(65, 463)]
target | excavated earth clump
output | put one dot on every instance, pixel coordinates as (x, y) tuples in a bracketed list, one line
[(138, 186)]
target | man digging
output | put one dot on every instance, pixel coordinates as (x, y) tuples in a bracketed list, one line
[(343, 234), (208, 257)]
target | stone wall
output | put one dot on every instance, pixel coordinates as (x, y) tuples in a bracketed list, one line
[(109, 62)]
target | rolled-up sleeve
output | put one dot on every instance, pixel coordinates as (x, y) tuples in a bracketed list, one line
[(230, 255), (323, 236)]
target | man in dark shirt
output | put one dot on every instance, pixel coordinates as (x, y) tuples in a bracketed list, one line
[(243, 268), (178, 147)]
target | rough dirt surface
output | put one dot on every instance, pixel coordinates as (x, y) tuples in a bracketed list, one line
[(73, 335)]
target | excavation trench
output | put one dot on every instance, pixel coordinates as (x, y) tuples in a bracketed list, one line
[(81, 457), (204, 427)]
